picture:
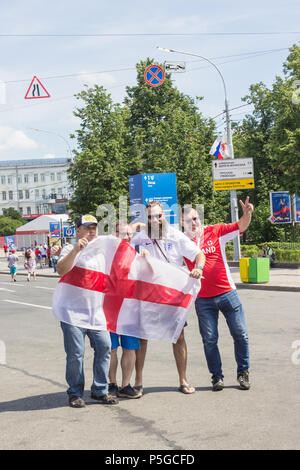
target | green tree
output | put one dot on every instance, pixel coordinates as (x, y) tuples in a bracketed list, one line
[(99, 173), (169, 134), (9, 225), (13, 213), (271, 135)]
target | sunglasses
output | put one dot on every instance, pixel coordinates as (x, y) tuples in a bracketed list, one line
[(155, 216)]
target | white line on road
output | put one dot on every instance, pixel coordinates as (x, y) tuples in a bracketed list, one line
[(41, 287), (10, 283), (7, 290), (24, 303)]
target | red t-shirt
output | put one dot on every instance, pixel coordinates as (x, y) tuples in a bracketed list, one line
[(216, 278)]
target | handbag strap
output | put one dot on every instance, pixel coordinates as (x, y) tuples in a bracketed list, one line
[(164, 255)]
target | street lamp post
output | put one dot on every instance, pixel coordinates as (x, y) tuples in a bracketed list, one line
[(55, 133), (233, 196)]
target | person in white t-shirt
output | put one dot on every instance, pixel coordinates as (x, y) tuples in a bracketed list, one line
[(165, 242)]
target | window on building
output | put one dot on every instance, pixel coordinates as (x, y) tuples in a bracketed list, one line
[(26, 179), (19, 179), (52, 176), (10, 195), (44, 193), (35, 177), (20, 194), (3, 179), (37, 193), (27, 194), (3, 195), (58, 176), (28, 210), (42, 177), (9, 180), (21, 210)]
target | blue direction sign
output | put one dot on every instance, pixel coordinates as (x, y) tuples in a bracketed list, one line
[(148, 187), (154, 75)]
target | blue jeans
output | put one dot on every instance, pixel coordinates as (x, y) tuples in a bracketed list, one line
[(74, 342), (207, 309)]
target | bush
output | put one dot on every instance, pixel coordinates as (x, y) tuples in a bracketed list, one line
[(283, 252)]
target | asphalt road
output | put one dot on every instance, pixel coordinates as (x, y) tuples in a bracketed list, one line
[(33, 401)]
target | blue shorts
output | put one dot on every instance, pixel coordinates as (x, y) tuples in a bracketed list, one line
[(13, 270), (127, 342)]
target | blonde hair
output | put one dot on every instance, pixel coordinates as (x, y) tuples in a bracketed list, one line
[(154, 203)]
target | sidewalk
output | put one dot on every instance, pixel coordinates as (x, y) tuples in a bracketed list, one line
[(281, 279)]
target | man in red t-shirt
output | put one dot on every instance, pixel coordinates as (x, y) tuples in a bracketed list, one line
[(218, 292)]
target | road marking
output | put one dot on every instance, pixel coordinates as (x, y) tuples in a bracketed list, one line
[(41, 287), (7, 290), (24, 303), (10, 283)]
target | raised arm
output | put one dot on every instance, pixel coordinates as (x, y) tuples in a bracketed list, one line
[(245, 220)]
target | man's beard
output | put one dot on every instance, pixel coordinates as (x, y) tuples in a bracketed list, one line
[(157, 231)]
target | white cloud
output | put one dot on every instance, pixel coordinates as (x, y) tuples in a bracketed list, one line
[(49, 155), (14, 139)]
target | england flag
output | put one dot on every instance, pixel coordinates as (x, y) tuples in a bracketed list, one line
[(111, 287)]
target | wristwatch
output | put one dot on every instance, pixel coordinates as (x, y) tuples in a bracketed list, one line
[(199, 267)]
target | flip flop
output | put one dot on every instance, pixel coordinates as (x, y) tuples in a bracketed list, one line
[(184, 388)]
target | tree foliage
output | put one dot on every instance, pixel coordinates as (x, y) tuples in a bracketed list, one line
[(160, 129)]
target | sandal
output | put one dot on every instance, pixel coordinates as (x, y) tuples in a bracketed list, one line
[(76, 402), (106, 399), (184, 389)]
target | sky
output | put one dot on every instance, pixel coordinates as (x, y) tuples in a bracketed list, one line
[(67, 44)]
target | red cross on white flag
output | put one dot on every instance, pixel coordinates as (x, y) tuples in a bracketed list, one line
[(112, 287)]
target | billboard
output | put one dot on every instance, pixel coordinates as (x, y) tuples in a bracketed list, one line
[(149, 187), (280, 204), (54, 230), (296, 208), (10, 241)]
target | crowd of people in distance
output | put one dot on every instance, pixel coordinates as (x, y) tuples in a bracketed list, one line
[(37, 256)]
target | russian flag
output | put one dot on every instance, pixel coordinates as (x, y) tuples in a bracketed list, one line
[(219, 148)]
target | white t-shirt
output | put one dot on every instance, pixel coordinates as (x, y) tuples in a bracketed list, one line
[(65, 251), (172, 247)]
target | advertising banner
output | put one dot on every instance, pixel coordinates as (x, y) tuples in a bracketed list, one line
[(280, 204)]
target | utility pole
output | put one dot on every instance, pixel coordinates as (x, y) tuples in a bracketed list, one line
[(233, 197)]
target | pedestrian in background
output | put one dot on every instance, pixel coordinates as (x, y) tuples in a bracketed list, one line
[(30, 264), (13, 264)]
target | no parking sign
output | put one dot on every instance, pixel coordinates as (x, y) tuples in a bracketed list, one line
[(154, 75)]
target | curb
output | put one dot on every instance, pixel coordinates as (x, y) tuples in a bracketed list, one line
[(37, 274), (246, 285)]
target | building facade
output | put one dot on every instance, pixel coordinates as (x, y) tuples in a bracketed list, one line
[(35, 186)]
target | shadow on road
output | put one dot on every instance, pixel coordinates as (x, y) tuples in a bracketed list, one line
[(38, 402)]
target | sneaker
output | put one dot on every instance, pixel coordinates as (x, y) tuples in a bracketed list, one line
[(129, 392), (243, 379), (106, 399), (113, 389), (217, 383)]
